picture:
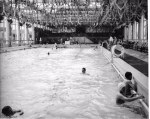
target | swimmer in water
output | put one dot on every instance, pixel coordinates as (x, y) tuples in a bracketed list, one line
[(48, 53), (127, 90), (83, 70), (9, 112)]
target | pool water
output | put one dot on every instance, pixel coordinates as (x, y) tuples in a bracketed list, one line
[(53, 86)]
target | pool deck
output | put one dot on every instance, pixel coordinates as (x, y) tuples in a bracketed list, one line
[(16, 48), (139, 55), (141, 59)]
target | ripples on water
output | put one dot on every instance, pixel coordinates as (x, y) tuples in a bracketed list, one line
[(53, 87)]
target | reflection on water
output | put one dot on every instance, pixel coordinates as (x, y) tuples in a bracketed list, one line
[(53, 87)]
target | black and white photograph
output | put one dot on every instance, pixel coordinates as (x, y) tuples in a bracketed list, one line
[(74, 59)]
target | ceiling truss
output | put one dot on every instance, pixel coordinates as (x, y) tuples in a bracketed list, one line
[(54, 13)]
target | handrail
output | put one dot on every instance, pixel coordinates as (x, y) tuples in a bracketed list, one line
[(141, 101)]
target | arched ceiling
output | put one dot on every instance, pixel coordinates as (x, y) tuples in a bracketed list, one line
[(54, 13)]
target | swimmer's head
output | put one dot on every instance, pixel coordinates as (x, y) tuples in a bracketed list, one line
[(7, 111), (83, 70), (128, 75)]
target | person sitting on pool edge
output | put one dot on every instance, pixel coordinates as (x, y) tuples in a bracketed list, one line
[(127, 86), (127, 90)]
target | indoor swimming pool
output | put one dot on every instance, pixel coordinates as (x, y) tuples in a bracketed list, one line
[(53, 87)]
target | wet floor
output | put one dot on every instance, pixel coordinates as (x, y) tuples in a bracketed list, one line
[(53, 87)]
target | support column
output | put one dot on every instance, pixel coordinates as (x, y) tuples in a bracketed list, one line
[(26, 33), (18, 32), (145, 28), (130, 32), (33, 34), (125, 33), (142, 27), (134, 30), (137, 30), (21, 34), (7, 31)]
